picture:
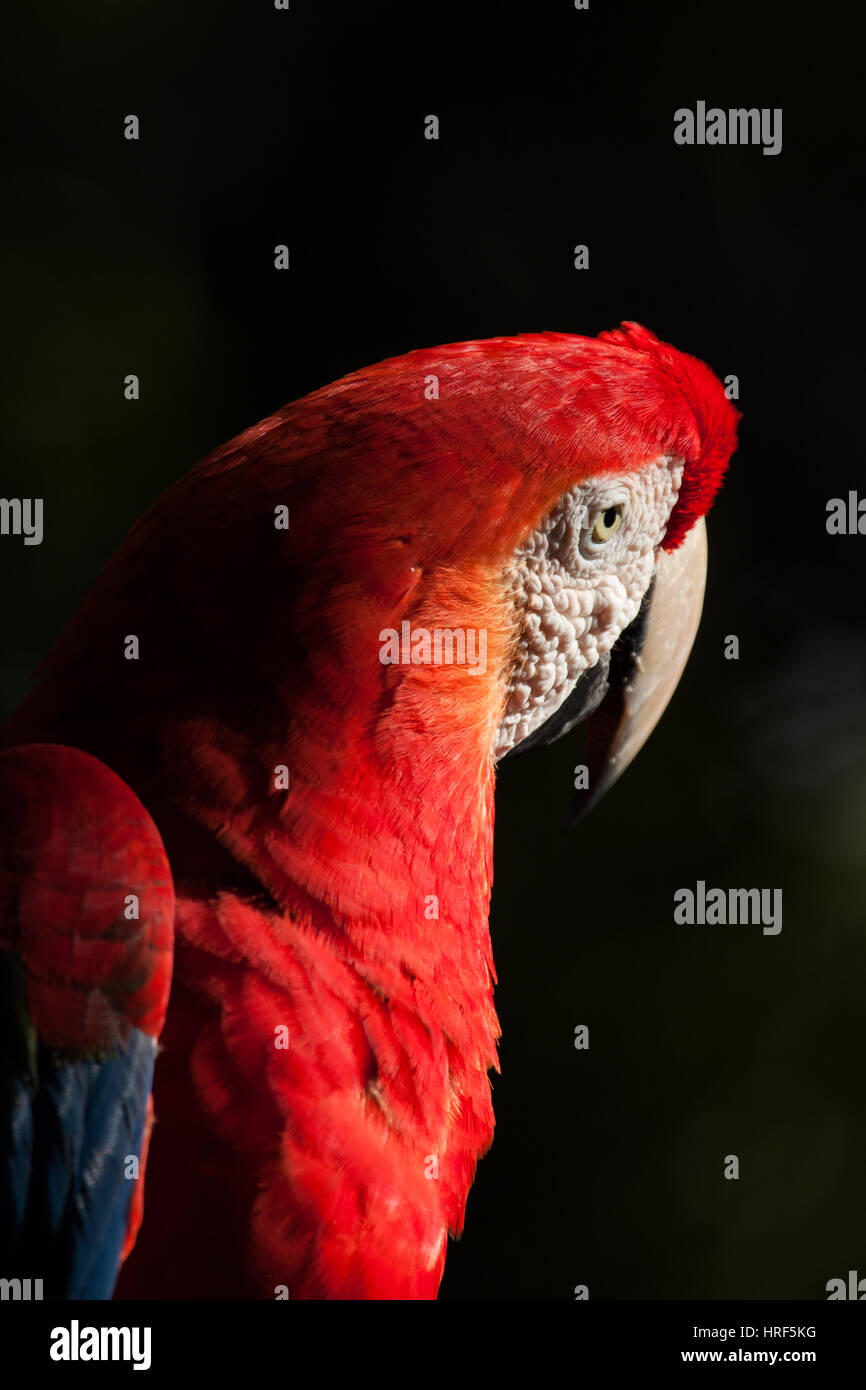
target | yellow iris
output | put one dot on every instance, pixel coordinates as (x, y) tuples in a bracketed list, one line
[(607, 523)]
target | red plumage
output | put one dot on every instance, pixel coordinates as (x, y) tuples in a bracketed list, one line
[(312, 1167), (76, 845)]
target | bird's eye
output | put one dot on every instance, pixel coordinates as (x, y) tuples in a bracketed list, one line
[(606, 523)]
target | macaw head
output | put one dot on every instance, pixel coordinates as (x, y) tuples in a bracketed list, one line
[(391, 584), (541, 500), (609, 584)]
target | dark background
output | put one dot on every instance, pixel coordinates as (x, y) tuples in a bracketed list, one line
[(306, 127)]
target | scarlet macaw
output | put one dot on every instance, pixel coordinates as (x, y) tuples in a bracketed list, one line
[(257, 667)]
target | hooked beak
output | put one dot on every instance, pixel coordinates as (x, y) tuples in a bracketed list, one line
[(645, 667)]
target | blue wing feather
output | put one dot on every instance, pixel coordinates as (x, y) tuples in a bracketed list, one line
[(65, 1152)]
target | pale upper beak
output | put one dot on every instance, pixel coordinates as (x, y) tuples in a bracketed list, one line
[(646, 665)]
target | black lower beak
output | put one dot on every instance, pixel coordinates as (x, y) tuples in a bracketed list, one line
[(588, 694)]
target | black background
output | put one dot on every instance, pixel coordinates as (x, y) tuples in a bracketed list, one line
[(307, 127)]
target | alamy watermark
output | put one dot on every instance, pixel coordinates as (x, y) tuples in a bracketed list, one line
[(738, 125), (21, 1290), (439, 646), (734, 906), (22, 516), (77, 1343)]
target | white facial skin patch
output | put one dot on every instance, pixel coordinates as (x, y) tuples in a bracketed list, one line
[(578, 581)]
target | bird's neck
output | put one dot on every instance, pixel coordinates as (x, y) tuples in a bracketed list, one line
[(385, 845)]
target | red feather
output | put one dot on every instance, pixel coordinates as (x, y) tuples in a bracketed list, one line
[(76, 844)]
